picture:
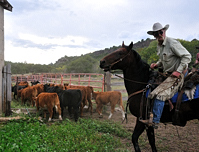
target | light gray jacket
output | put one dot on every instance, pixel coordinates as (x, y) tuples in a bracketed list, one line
[(173, 56)]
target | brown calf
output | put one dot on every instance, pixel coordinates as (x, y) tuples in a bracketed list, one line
[(39, 88), (112, 97), (49, 101), (23, 83), (19, 93), (28, 93), (61, 86), (89, 97)]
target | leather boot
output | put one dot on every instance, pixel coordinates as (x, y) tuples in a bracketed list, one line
[(148, 121), (145, 121)]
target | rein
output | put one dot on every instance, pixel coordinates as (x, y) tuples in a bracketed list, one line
[(129, 79), (137, 92)]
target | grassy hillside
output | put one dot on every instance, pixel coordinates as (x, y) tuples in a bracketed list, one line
[(89, 63)]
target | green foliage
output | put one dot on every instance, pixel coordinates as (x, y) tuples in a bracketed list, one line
[(191, 47), (149, 54), (85, 135), (82, 65), (89, 63), (23, 68)]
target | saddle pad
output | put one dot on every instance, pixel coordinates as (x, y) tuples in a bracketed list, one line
[(188, 95)]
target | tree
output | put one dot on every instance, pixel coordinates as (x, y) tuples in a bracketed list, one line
[(82, 65)]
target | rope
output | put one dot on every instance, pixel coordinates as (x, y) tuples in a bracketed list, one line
[(27, 111)]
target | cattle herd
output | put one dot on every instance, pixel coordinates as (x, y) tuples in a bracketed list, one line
[(56, 97)]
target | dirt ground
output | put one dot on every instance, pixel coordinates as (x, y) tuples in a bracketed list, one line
[(169, 138)]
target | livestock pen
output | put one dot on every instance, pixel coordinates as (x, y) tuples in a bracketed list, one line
[(99, 82), (82, 79)]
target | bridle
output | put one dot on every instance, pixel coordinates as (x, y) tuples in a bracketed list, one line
[(138, 82), (119, 60)]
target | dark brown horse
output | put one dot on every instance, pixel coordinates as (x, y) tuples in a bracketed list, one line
[(136, 75)]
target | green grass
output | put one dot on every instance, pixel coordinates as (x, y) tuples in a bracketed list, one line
[(86, 135), (17, 104)]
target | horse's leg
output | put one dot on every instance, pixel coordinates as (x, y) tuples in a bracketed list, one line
[(139, 128), (151, 138)]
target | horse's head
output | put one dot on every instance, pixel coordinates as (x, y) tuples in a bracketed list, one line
[(114, 60)]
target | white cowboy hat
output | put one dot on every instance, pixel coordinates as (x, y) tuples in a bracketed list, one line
[(157, 27)]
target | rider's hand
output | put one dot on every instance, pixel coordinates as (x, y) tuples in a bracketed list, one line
[(153, 65), (176, 74)]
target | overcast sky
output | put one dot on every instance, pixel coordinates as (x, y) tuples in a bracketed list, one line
[(43, 31)]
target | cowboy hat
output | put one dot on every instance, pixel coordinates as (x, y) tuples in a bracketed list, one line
[(157, 27)]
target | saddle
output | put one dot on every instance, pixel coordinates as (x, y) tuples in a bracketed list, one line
[(190, 82)]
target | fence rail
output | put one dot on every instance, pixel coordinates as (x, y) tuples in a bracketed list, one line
[(86, 79)]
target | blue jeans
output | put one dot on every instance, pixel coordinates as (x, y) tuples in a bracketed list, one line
[(158, 106)]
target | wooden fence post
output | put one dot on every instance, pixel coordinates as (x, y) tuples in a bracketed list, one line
[(61, 79), (8, 90), (4, 89), (17, 86), (107, 83)]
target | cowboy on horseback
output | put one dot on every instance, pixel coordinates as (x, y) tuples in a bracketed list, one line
[(174, 60)]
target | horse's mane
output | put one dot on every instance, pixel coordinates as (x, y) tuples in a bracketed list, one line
[(139, 59)]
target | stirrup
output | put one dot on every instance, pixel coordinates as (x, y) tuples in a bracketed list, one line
[(147, 122)]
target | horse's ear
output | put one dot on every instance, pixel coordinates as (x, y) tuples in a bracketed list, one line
[(123, 44), (131, 45)]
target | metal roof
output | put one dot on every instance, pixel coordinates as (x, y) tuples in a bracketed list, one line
[(6, 5)]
